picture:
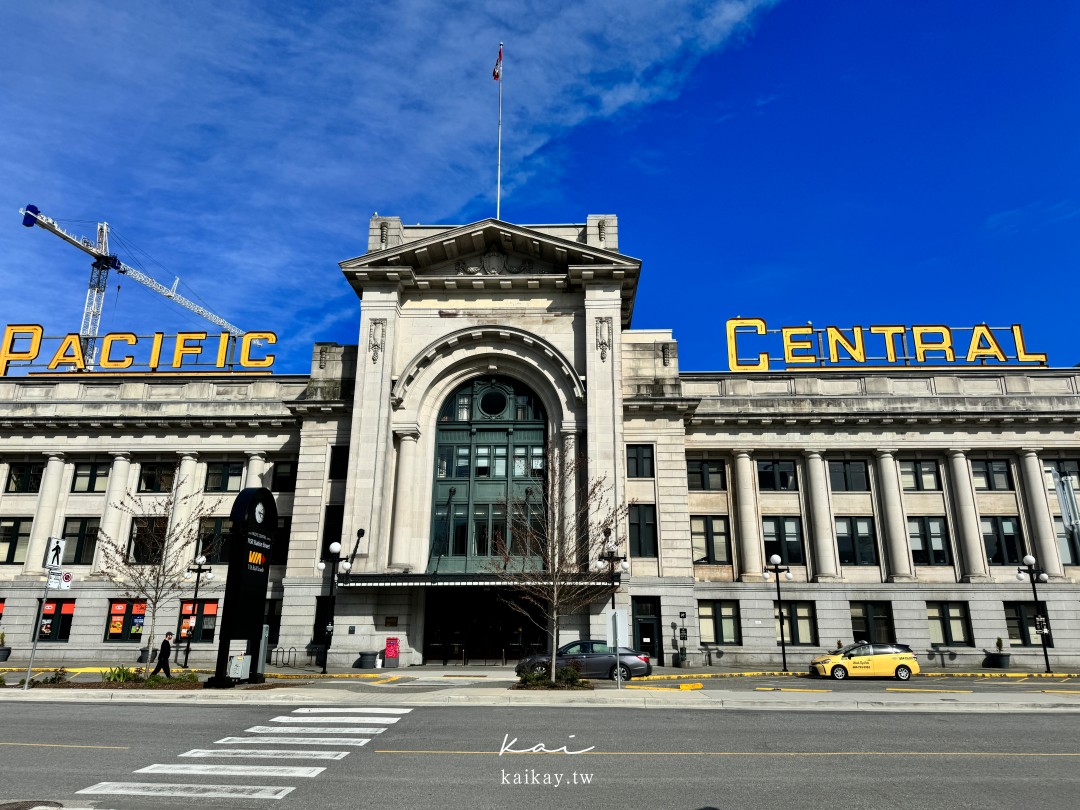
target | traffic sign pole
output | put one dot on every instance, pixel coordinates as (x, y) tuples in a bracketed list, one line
[(37, 633)]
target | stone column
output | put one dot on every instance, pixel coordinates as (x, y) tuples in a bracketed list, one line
[(114, 495), (898, 557), (256, 466), (823, 530), (44, 514), (184, 489), (748, 527), (406, 548), (1041, 524), (968, 530)]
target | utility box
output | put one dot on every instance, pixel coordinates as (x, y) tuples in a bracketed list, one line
[(239, 667), (393, 652)]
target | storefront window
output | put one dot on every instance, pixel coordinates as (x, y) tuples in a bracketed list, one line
[(126, 620), (198, 619), (56, 616)]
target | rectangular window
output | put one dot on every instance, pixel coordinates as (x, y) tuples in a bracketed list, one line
[(214, 539), (224, 476), (710, 539), (481, 531), (873, 622), (1020, 619), (483, 462), (783, 536), (705, 475), (333, 525), (1001, 536), (500, 462), (800, 627), (536, 462), (283, 478), (198, 619), (993, 476), (149, 536), (25, 477), (81, 535), (56, 616), (156, 476), (1067, 543), (460, 536), (718, 622), (855, 541), (639, 461), (949, 624), (929, 540), (643, 530), (126, 620), (339, 462), (920, 476), (849, 476), (461, 462), (777, 476), (279, 551), (90, 476), (14, 539)]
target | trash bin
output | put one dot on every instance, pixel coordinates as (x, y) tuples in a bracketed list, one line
[(142, 655), (367, 659)]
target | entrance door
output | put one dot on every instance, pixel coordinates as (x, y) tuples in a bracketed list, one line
[(647, 629), (477, 625)]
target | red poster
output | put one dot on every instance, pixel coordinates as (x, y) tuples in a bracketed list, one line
[(118, 607)]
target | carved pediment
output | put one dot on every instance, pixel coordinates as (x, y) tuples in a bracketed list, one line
[(494, 262)]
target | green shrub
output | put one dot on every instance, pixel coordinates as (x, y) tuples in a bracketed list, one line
[(120, 674), (568, 676), (534, 679)]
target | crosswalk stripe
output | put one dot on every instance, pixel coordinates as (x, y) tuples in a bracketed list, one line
[(315, 710), (259, 753), (314, 730), (294, 740), (232, 770), (325, 719), (187, 791)]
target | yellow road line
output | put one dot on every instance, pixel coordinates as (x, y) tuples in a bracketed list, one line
[(388, 680), (978, 754), (949, 691), (59, 745)]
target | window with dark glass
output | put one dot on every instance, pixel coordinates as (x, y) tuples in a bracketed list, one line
[(710, 539), (855, 541), (149, 537), (126, 620), (156, 476), (279, 551), (14, 539), (1020, 621), (929, 540), (81, 535), (1064, 467), (849, 476), (56, 616), (283, 477), (873, 622), (639, 461), (214, 539), (949, 623), (333, 526), (1001, 536), (90, 476), (783, 536), (198, 619), (994, 476), (777, 476), (920, 475), (705, 474), (224, 476), (718, 622), (24, 476), (800, 624), (642, 518), (339, 462)]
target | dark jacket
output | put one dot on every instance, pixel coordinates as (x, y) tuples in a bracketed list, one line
[(166, 649)]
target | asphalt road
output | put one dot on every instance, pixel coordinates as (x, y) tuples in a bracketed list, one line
[(449, 757)]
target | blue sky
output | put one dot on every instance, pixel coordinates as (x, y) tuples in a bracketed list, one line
[(837, 162)]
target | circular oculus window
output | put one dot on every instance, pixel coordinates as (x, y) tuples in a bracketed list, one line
[(493, 403)]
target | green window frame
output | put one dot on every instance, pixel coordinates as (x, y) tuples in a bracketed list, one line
[(849, 476), (642, 521), (991, 475), (224, 476), (81, 536), (25, 476), (777, 475), (718, 621), (1002, 540), (710, 539), (283, 475), (800, 623), (1020, 624), (704, 474), (90, 477), (855, 540), (783, 536), (929, 540), (147, 540), (920, 475), (872, 622), (639, 461), (950, 624), (14, 539), (214, 539), (157, 476)]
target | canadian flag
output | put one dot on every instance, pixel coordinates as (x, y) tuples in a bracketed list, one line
[(496, 74)]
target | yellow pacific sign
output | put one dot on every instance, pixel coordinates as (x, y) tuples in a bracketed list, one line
[(856, 346), (23, 343)]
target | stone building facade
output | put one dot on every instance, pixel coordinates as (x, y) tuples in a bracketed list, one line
[(900, 499)]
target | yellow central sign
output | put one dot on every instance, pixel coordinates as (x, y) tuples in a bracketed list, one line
[(890, 345), (23, 343)]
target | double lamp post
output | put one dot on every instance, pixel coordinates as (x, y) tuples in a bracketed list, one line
[(197, 568), (336, 564), (776, 570)]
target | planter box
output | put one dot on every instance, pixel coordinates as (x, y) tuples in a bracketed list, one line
[(997, 660)]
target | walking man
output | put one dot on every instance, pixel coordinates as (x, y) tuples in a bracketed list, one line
[(163, 657)]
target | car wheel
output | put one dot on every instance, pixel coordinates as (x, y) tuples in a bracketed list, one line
[(539, 669), (903, 673), (624, 672), (838, 673)]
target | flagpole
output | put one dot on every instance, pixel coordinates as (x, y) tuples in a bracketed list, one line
[(498, 171)]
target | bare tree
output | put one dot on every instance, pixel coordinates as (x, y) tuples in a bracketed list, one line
[(164, 537), (559, 526)]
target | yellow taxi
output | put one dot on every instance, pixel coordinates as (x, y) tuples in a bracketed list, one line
[(863, 659)]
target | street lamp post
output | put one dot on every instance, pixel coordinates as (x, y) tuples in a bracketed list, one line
[(1031, 573), (616, 563), (336, 564), (775, 569), (196, 567)]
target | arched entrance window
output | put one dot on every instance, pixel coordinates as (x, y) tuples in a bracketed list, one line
[(489, 458)]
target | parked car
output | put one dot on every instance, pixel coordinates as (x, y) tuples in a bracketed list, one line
[(594, 658), (863, 659)]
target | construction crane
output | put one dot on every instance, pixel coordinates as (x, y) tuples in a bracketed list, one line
[(99, 275)]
